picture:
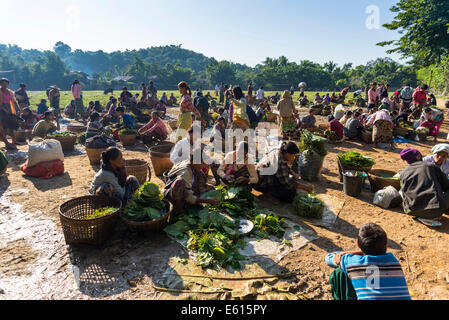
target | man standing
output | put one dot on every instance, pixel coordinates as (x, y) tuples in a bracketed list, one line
[(54, 96)]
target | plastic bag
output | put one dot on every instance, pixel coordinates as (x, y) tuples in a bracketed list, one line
[(44, 170), (40, 150), (388, 197), (309, 165), (100, 142)]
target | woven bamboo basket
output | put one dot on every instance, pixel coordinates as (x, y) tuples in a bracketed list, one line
[(367, 136), (22, 135), (78, 230), (398, 131), (378, 183), (342, 167), (272, 117), (154, 225), (160, 158), (94, 155), (138, 168), (67, 142), (173, 124), (128, 139), (76, 129)]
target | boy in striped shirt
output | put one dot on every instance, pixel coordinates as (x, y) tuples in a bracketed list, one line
[(369, 274)]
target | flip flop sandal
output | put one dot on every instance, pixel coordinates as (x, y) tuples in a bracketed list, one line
[(429, 222)]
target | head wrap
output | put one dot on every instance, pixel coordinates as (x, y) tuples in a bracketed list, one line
[(411, 155), (442, 147)]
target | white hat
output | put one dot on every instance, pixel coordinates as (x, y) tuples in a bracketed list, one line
[(442, 147)]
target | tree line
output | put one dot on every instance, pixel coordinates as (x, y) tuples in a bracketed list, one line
[(422, 24)]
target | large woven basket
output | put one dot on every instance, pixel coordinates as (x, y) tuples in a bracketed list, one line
[(22, 135), (154, 225), (160, 158), (138, 168), (94, 155), (342, 167), (78, 230), (378, 183), (67, 142), (398, 131), (272, 117), (367, 136), (76, 129), (128, 139), (173, 124)]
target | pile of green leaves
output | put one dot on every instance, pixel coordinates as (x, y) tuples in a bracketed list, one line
[(235, 201), (127, 131), (356, 159), (61, 134), (102, 212), (82, 138), (212, 235), (266, 225), (308, 206), (146, 204), (312, 143), (331, 135)]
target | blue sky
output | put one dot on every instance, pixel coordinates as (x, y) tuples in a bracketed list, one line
[(245, 31)]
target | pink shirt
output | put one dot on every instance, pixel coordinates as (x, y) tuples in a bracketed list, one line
[(6, 97), (379, 115), (372, 96), (151, 126), (76, 91)]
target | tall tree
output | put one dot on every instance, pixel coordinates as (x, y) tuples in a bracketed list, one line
[(424, 26)]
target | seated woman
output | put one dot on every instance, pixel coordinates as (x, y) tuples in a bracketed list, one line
[(111, 180), (172, 100), (317, 99), (154, 131), (219, 131), (164, 99), (279, 184), (383, 127), (69, 110), (345, 118), (45, 126), (160, 107), (30, 119), (440, 157), (353, 128), (238, 167), (424, 186), (42, 107), (185, 184), (124, 121), (304, 102), (326, 99), (97, 107), (336, 127), (432, 119), (309, 121), (94, 127)]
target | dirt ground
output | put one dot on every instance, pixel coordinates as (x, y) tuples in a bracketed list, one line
[(35, 262)]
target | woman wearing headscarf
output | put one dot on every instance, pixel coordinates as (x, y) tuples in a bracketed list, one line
[(8, 119), (278, 173), (30, 119), (287, 112), (439, 157), (383, 127), (186, 107), (424, 187)]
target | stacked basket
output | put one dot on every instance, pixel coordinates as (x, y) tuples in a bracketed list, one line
[(138, 169)]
